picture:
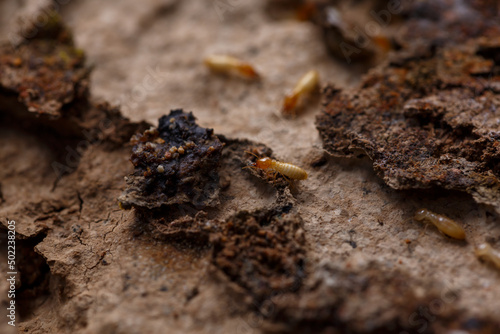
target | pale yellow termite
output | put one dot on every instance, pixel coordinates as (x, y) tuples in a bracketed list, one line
[(288, 170), (487, 252), (443, 223), (307, 84), (228, 64)]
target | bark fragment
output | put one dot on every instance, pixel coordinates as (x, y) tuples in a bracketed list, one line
[(425, 121), (46, 72), (176, 163)]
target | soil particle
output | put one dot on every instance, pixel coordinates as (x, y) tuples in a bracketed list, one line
[(262, 251)]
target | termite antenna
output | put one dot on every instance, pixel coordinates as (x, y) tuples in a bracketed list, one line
[(250, 167), (255, 155)]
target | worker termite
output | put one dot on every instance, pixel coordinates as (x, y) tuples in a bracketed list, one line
[(488, 253), (273, 167), (443, 223), (383, 43), (306, 85), (232, 65)]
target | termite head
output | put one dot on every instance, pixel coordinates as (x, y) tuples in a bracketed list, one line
[(248, 71), (263, 163), (289, 104), (421, 214), (483, 249)]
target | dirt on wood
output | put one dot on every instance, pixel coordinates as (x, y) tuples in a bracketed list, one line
[(117, 231)]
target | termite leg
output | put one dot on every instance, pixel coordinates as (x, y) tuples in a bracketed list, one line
[(423, 232)]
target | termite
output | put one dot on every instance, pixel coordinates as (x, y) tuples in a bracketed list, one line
[(306, 85), (286, 169), (228, 64), (306, 12), (443, 223), (383, 43), (487, 252)]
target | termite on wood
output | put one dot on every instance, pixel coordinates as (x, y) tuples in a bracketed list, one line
[(286, 169), (443, 223), (487, 252), (230, 65), (305, 86)]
